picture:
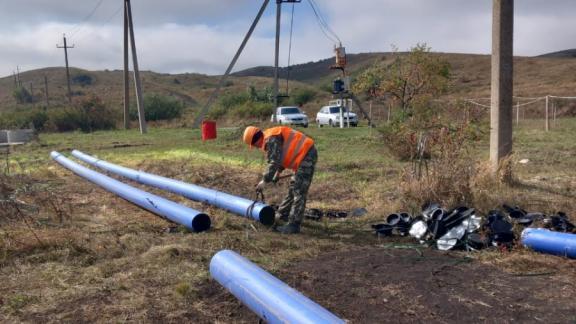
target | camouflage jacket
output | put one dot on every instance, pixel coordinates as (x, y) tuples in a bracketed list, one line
[(273, 148)]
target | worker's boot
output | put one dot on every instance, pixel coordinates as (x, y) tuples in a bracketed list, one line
[(281, 217), (290, 228)]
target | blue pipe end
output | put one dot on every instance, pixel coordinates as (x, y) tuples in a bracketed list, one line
[(267, 216), (201, 223)]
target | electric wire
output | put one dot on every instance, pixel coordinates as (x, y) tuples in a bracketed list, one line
[(116, 12), (330, 30), (79, 26), (289, 51), (323, 26)]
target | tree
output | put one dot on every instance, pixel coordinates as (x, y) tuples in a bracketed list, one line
[(411, 79)]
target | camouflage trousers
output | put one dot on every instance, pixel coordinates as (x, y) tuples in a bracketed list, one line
[(294, 205)]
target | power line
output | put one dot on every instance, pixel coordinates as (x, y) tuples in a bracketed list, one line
[(79, 26), (118, 10), (326, 30)]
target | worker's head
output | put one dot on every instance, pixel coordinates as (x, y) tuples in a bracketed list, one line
[(253, 136)]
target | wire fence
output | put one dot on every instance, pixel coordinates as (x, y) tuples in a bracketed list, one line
[(547, 111)]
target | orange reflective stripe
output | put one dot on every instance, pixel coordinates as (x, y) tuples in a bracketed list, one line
[(286, 146), (297, 150)]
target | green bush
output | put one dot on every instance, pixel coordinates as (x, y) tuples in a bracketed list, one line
[(88, 115), (158, 107), (22, 95), (36, 117), (260, 110), (82, 79), (302, 96)]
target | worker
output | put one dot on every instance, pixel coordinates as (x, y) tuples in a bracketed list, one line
[(286, 148)]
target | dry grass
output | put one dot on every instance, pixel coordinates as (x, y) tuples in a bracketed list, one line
[(102, 259)]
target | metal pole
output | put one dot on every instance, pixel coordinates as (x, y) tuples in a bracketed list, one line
[(276, 57), (502, 82), (137, 81), (547, 117), (214, 94), (126, 74)]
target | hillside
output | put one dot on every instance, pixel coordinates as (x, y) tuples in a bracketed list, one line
[(570, 53), (534, 76)]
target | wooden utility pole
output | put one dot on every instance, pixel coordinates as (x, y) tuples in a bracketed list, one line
[(502, 82), (137, 81), (46, 91), (18, 76), (66, 47), (126, 74)]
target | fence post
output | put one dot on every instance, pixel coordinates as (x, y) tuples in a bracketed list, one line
[(547, 117)]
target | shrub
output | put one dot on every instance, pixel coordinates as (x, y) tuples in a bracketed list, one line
[(36, 117), (158, 107), (302, 96), (260, 110), (22, 95), (87, 115), (83, 80)]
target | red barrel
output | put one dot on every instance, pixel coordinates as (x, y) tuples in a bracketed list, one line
[(208, 130)]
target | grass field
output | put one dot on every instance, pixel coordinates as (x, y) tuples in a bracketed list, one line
[(80, 254)]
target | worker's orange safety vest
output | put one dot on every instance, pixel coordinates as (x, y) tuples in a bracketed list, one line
[(295, 147)]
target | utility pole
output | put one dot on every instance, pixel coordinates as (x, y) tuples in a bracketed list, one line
[(18, 76), (276, 57), (66, 47), (46, 91), (137, 81), (502, 82), (126, 74), (216, 91)]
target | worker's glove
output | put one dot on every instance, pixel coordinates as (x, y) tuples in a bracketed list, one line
[(260, 186)]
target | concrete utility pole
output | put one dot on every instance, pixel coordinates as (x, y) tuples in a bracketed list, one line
[(66, 47), (46, 91), (126, 74), (216, 91), (276, 56), (137, 81), (502, 81)]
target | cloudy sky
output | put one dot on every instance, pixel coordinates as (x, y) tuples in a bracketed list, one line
[(201, 36)]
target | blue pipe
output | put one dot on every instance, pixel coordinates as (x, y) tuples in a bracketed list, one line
[(237, 205), (546, 241), (192, 219), (271, 299)]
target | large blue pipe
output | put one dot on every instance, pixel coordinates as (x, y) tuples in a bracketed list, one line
[(192, 219), (271, 299), (546, 241), (237, 205)]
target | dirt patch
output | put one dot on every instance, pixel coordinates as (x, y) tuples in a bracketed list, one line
[(372, 285)]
